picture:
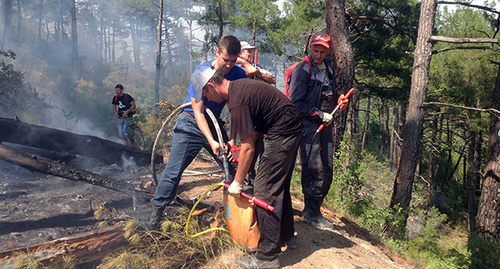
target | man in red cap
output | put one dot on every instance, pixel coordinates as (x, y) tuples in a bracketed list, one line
[(313, 91)]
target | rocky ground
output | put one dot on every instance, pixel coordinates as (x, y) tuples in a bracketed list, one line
[(35, 208)]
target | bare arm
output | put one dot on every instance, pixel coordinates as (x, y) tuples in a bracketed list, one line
[(199, 115), (267, 78), (246, 156), (249, 68), (116, 111), (132, 107)]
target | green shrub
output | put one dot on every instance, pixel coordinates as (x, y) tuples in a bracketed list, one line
[(484, 253)]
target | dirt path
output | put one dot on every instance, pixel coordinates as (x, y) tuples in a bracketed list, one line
[(346, 246)]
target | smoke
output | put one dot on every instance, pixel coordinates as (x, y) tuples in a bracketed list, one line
[(129, 164)]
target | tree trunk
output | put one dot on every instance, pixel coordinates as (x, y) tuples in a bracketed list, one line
[(6, 39), (367, 123), (47, 166), (136, 44), (353, 118), (432, 162), (17, 132), (343, 59), (473, 176), (488, 216), (190, 24), (86, 247), (394, 140), (40, 16), (158, 54), (74, 38), (384, 126), (413, 129)]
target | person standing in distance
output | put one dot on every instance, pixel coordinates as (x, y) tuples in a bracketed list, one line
[(123, 106), (315, 95), (192, 130), (259, 109)]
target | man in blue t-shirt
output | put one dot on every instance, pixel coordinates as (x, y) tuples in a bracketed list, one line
[(192, 130)]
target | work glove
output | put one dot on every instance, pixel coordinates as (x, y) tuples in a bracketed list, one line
[(342, 102), (235, 188), (327, 118)]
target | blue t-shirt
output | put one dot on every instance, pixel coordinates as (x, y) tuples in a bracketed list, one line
[(235, 73)]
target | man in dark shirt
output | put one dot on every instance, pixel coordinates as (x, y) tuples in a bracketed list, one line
[(123, 107), (259, 109)]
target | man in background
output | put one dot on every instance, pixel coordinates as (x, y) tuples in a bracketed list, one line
[(124, 107), (246, 59), (192, 130)]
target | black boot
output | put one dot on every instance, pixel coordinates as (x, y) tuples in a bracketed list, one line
[(312, 213), (156, 217)]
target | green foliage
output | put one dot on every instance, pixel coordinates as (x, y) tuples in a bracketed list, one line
[(484, 253), (347, 181), (384, 67), (218, 13), (256, 16), (151, 119), (301, 20), (18, 98)]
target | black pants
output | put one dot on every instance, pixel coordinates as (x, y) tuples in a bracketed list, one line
[(272, 184), (317, 162)]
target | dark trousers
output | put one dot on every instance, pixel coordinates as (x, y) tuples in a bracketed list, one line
[(272, 184), (317, 162)]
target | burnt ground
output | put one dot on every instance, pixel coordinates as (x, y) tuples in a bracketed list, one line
[(36, 208)]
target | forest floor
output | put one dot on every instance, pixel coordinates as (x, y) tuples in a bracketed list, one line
[(36, 208)]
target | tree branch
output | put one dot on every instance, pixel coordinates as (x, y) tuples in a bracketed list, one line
[(492, 111), (469, 5), (464, 48), (464, 40)]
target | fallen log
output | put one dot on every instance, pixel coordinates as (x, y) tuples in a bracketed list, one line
[(17, 132), (47, 166), (87, 247)]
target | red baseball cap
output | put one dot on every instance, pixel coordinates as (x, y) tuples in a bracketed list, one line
[(321, 39)]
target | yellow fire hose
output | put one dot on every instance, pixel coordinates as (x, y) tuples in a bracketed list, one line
[(221, 143), (194, 207)]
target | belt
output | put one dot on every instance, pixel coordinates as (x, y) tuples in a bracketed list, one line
[(187, 113)]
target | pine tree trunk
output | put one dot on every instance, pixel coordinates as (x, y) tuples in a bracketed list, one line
[(353, 118), (40, 16), (473, 176), (74, 38), (158, 54), (367, 123), (7, 24), (394, 141), (343, 59), (432, 162), (413, 129), (488, 216), (134, 29), (384, 126)]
